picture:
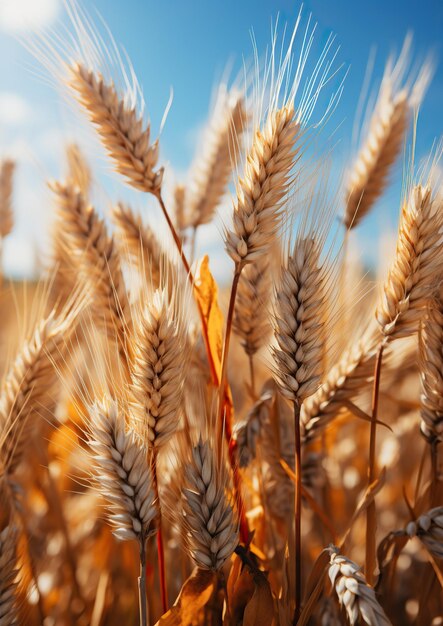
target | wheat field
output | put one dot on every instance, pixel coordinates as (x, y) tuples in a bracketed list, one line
[(264, 452)]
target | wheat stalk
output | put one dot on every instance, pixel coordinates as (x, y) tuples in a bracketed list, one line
[(219, 155), (353, 592), (8, 575), (179, 208), (212, 529), (122, 131)]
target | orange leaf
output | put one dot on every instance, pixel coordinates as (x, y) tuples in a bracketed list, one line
[(194, 595), (206, 293), (260, 609)]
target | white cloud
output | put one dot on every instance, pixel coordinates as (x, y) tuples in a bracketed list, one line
[(19, 15), (14, 110)]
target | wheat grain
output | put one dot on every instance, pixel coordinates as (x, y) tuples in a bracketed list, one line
[(353, 592), (122, 131), (212, 532), (122, 473)]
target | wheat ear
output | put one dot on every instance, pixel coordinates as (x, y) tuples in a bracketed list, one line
[(8, 574), (79, 172), (369, 173), (7, 168), (261, 190), (122, 131), (29, 381), (122, 473), (299, 326), (429, 529), (139, 242), (344, 381), (214, 166), (212, 529), (417, 265), (97, 257), (158, 371), (251, 317), (431, 373), (353, 592), (123, 477)]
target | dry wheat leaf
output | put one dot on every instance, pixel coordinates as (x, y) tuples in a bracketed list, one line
[(195, 593), (206, 292), (260, 609)]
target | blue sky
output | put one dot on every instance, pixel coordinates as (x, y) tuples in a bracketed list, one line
[(187, 44)]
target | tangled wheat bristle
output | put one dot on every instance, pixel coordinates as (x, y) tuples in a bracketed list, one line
[(212, 531), (6, 187), (8, 574), (121, 129), (218, 157), (353, 592), (251, 317), (429, 529), (431, 369), (138, 241), (122, 473), (262, 188), (369, 174), (299, 322), (95, 252), (158, 371), (29, 381), (417, 265), (79, 173)]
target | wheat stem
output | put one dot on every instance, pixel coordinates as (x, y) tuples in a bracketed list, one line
[(252, 376), (371, 520), (142, 585), (297, 511), (160, 547)]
